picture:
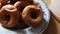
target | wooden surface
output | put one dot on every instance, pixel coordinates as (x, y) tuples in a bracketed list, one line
[(54, 25)]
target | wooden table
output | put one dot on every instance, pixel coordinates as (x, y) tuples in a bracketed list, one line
[(54, 25)]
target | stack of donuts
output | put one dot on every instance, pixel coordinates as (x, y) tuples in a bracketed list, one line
[(20, 13)]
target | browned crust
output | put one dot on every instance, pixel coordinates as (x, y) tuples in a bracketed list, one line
[(12, 11), (29, 21)]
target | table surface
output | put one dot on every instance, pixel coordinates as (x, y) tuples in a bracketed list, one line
[(54, 26)]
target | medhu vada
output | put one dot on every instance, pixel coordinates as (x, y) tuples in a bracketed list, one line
[(20, 5), (9, 16), (32, 15)]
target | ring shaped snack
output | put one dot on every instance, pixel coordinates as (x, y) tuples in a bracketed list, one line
[(20, 5), (32, 15), (9, 16)]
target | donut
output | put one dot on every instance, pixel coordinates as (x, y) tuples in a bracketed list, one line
[(20, 5), (32, 15), (9, 16)]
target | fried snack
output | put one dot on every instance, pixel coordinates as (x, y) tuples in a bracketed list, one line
[(32, 15), (20, 5), (9, 16)]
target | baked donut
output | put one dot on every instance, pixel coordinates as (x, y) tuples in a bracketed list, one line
[(32, 15), (9, 16), (20, 5)]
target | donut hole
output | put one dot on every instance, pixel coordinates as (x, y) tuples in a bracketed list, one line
[(34, 13), (7, 17), (21, 8)]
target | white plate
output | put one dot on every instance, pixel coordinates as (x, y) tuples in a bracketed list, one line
[(31, 30)]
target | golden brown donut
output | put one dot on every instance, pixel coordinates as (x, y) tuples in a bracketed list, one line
[(9, 16), (32, 15), (20, 5)]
